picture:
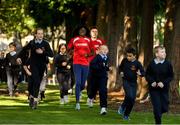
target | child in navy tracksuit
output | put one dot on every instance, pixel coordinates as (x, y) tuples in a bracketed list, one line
[(63, 72), (129, 69), (98, 69), (39, 51), (12, 69), (159, 74)]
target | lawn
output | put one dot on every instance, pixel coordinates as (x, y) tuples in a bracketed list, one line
[(16, 111)]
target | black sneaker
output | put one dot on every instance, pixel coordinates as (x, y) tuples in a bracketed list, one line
[(42, 95), (31, 102)]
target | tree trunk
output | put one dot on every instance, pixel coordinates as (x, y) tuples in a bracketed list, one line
[(102, 19), (175, 50), (130, 23), (115, 31), (146, 41)]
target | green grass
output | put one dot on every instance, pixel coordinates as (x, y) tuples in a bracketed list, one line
[(16, 111)]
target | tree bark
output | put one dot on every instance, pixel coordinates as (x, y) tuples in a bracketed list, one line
[(175, 56), (102, 19), (146, 42), (130, 23)]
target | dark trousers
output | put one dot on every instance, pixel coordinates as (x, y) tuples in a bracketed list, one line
[(99, 84), (130, 89), (160, 104), (64, 80), (81, 74), (89, 87), (35, 79)]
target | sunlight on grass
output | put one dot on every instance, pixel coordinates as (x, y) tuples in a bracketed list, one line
[(16, 111)]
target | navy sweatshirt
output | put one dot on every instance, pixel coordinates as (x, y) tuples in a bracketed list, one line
[(37, 59), (59, 59), (130, 68), (10, 62), (161, 72), (99, 66)]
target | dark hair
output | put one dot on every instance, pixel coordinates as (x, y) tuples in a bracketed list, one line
[(131, 50), (12, 44), (93, 27), (61, 46), (76, 30)]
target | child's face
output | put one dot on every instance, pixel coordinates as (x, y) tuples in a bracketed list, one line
[(82, 31), (63, 49), (12, 48), (39, 34), (103, 50), (161, 54), (94, 33), (131, 56)]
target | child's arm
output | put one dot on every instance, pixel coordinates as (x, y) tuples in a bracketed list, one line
[(121, 66), (48, 51), (170, 75), (149, 76), (27, 70), (140, 71)]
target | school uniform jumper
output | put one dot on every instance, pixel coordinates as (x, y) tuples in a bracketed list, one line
[(99, 76), (37, 63), (159, 72), (63, 74), (130, 68)]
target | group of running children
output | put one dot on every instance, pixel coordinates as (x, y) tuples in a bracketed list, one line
[(88, 59)]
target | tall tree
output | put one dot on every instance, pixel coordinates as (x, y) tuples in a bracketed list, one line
[(114, 38), (146, 41), (102, 18), (172, 42), (130, 23)]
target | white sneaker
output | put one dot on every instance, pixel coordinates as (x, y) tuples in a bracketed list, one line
[(66, 99), (62, 101), (90, 102), (103, 111), (77, 106), (70, 91)]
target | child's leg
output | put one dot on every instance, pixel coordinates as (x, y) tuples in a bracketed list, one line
[(156, 102), (94, 87), (103, 92), (66, 83), (84, 75), (164, 102), (131, 96), (77, 73), (60, 79), (10, 82), (126, 90)]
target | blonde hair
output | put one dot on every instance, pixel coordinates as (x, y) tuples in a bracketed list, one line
[(156, 49)]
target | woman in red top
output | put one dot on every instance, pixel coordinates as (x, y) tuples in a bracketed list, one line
[(82, 50)]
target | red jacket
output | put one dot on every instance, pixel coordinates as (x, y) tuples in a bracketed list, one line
[(95, 45), (82, 47)]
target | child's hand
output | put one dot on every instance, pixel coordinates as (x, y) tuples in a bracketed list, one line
[(68, 67), (19, 61), (154, 84), (64, 63), (28, 73), (39, 51), (160, 84), (121, 74), (110, 68), (138, 73)]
